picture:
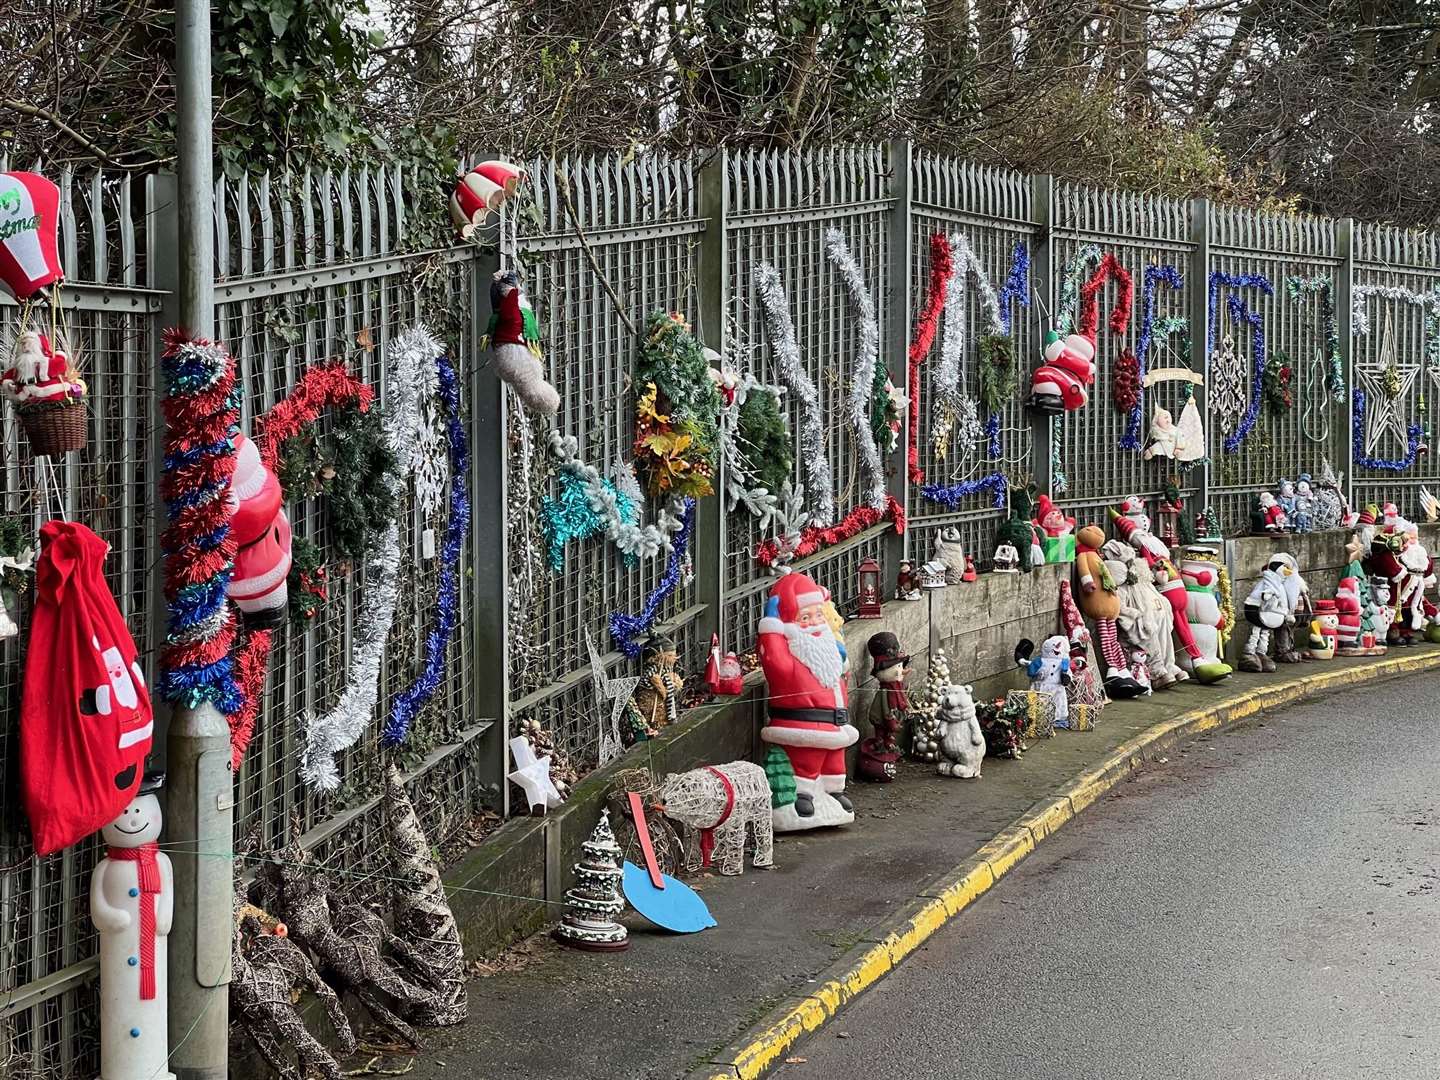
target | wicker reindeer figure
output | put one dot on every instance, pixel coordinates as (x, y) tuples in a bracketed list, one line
[(724, 802), (267, 974), (348, 941)]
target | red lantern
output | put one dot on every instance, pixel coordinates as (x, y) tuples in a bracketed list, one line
[(870, 590), (29, 217)]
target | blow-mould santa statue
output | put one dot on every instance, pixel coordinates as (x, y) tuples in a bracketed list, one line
[(809, 717), (1061, 383), (262, 533)]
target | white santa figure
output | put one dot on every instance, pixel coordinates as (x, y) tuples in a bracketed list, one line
[(808, 702), (132, 903)]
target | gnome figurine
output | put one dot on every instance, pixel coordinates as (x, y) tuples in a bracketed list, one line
[(809, 703), (132, 903)]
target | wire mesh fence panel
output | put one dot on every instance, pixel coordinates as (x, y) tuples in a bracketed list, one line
[(1101, 459), (1396, 335), (105, 320), (781, 205), (1276, 274), (988, 213), (602, 243)]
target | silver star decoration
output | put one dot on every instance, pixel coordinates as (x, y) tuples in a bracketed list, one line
[(1382, 412), (618, 692)]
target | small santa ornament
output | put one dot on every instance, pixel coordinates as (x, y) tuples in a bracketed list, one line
[(808, 702), (262, 535), (723, 676), (132, 903), (1057, 532), (1059, 384)]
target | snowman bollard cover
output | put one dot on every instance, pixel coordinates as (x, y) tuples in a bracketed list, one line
[(132, 902), (85, 719), (808, 702)]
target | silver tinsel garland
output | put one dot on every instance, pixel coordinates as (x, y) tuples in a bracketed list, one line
[(819, 482), (332, 732), (862, 384), (954, 406), (740, 488)]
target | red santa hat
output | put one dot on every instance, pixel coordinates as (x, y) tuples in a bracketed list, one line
[(1043, 506), (797, 591)]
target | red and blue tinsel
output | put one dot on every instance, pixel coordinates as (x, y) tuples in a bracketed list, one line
[(202, 410), (437, 643)]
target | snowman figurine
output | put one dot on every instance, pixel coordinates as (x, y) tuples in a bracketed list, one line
[(132, 902)]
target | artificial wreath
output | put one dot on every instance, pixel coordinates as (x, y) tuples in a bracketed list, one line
[(1125, 384), (676, 434), (307, 585), (1279, 375), (887, 405), (347, 465), (765, 439), (998, 377)]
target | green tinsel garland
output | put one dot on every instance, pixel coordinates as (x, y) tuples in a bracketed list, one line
[(765, 440), (998, 378), (346, 465)]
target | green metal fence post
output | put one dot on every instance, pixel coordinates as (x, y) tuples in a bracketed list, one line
[(1044, 429), (1344, 326), (1199, 287), (898, 332), (714, 302)]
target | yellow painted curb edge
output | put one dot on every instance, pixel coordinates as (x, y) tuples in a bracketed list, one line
[(762, 1048)]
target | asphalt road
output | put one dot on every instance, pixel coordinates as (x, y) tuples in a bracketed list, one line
[(1264, 905)]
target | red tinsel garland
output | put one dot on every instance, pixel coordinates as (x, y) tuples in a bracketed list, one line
[(1089, 321), (942, 269), (817, 539), (1125, 387), (252, 665), (320, 388)]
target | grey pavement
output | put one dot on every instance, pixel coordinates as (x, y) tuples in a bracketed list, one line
[(1263, 906)]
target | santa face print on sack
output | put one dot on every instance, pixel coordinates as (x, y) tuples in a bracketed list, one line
[(119, 697)]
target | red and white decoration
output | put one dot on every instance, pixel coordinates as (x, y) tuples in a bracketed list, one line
[(483, 189), (39, 373), (262, 536), (132, 903), (808, 698), (29, 240), (1061, 383)]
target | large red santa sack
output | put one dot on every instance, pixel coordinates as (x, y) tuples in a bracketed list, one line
[(85, 719)]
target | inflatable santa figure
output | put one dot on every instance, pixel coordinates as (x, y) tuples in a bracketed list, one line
[(808, 701), (1059, 384), (132, 902), (262, 536)]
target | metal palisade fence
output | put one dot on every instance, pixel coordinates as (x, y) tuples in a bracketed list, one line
[(334, 263)]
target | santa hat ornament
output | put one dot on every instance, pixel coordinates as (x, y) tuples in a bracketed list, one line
[(1058, 385), (480, 191), (262, 536), (29, 219)]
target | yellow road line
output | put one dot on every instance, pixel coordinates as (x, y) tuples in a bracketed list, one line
[(762, 1049)]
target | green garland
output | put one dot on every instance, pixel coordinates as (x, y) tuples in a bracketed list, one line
[(306, 585), (1297, 288), (1279, 376), (998, 377), (765, 440), (345, 465)]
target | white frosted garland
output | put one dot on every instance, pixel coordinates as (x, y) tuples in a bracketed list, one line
[(333, 732), (949, 377), (740, 489), (632, 538), (862, 384), (819, 483), (1360, 318), (429, 455)]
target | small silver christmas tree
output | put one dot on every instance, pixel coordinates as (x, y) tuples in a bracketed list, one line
[(595, 900), (925, 710)]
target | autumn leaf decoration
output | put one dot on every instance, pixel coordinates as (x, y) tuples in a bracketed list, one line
[(669, 452)]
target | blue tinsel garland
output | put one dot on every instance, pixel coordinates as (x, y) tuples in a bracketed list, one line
[(1153, 274), (626, 629), (408, 704), (1017, 284), (952, 495), (1240, 312), (992, 436), (1357, 438)]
